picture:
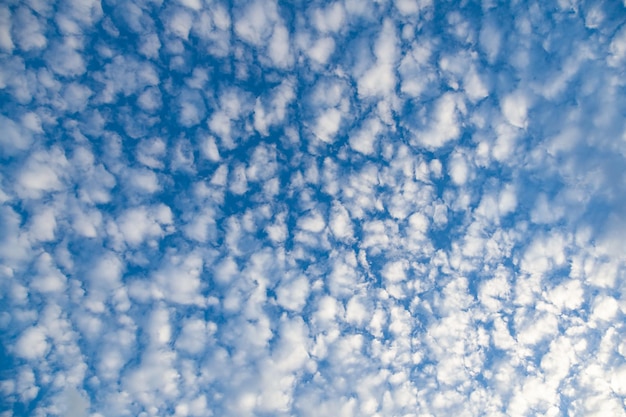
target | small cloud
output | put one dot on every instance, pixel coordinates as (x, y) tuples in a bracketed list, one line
[(32, 343), (76, 404)]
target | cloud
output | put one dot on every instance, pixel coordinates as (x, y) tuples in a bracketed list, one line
[(279, 47), (138, 224), (65, 59), (515, 109), (28, 30), (490, 39), (340, 222), (77, 405), (292, 294), (380, 78), (301, 209), (15, 137), (6, 41), (255, 21), (617, 48), (321, 50), (330, 18), (179, 23), (76, 97), (444, 126), (42, 173), (32, 343), (365, 139), (459, 171)]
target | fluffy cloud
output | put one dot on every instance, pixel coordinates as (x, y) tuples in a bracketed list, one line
[(32, 343), (299, 209)]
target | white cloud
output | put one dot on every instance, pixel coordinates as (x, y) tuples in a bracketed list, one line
[(127, 75), (277, 231), (493, 207), (332, 114), (144, 180), (83, 13), (321, 50), (533, 328), (150, 45), (32, 122), (151, 151), (490, 40), (192, 4), (179, 23), (76, 405), (238, 180), (356, 312), (209, 148), (65, 59), (329, 19), (605, 308), (415, 71), (313, 222), (279, 47), (6, 41), (154, 380), (226, 270), (507, 200), (14, 138), (545, 212), (515, 109), (544, 253), (262, 165), (507, 136), (344, 276), (32, 343), (340, 223), (326, 312), (567, 295), (365, 138), (270, 114), (192, 108), (42, 173), (445, 124), (106, 272), (183, 156), (459, 171), (178, 280), (150, 99), (15, 244), (255, 21), (292, 294), (220, 176), (49, 279), (327, 125), (618, 48), (380, 78), (25, 385), (43, 225), (475, 86), (28, 30), (407, 7), (493, 293), (140, 223)]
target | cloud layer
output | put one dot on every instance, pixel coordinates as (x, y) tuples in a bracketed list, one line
[(350, 208)]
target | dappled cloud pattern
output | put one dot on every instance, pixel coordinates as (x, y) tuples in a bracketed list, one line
[(312, 208)]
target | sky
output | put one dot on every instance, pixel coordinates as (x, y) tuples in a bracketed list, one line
[(312, 208)]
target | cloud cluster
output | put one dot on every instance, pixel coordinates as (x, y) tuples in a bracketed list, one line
[(344, 208)]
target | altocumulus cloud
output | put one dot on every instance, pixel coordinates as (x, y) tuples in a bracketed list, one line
[(326, 208)]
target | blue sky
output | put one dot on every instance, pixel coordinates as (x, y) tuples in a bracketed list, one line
[(351, 208)]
